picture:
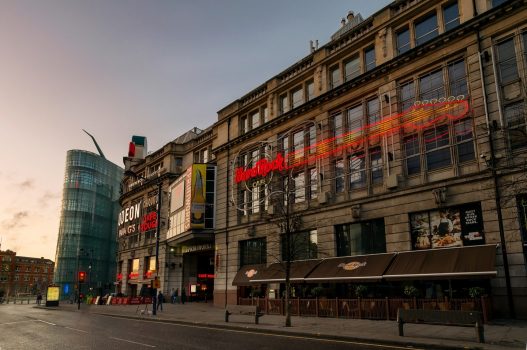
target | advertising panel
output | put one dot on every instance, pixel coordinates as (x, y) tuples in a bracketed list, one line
[(447, 227), (197, 208), (52, 296)]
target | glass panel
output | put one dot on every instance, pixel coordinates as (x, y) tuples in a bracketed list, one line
[(516, 125), (431, 85), (244, 126), (369, 58), (373, 111), (426, 29), (298, 97), (310, 90), (300, 187), (465, 145), (253, 251), (335, 76), (451, 16), (498, 2), (352, 68), (507, 66), (284, 103), (407, 95), (339, 176), (403, 41), (255, 119), (338, 128), (457, 79), (298, 145), (436, 144), (313, 183), (312, 139), (376, 165), (413, 159), (361, 238), (357, 166)]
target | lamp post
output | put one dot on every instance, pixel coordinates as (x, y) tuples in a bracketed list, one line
[(158, 227)]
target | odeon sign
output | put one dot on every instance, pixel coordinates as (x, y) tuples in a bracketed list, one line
[(420, 116)]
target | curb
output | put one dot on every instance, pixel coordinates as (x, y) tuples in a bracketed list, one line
[(405, 343)]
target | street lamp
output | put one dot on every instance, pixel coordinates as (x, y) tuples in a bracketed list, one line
[(158, 226)]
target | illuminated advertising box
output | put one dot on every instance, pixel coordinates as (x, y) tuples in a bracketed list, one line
[(52, 296)]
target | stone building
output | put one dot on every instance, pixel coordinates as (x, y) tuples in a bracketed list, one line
[(186, 243), (404, 135)]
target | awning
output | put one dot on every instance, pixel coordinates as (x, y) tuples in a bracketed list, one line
[(445, 263), (276, 272), (246, 274), (361, 268)]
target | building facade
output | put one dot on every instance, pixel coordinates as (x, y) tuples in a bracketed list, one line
[(185, 173), (86, 240), (21, 276), (405, 133)]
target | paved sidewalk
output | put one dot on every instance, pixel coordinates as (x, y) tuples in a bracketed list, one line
[(505, 334)]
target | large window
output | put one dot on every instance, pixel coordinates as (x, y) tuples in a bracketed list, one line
[(339, 176), (437, 147), (366, 237), (426, 29), (297, 97), (352, 68), (357, 169), (464, 140), (451, 16), (334, 75), (412, 154), (302, 245), (253, 251), (369, 58), (403, 41), (376, 165), (507, 65)]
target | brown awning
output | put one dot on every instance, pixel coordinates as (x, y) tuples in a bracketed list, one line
[(445, 263), (246, 274), (361, 268), (276, 272)]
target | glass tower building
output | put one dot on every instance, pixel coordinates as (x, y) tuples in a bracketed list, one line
[(87, 238)]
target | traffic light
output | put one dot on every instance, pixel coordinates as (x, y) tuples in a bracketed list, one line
[(82, 276)]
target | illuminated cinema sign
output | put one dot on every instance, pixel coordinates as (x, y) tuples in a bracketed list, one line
[(420, 116)]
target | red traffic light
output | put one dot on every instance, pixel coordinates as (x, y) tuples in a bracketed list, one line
[(82, 276)]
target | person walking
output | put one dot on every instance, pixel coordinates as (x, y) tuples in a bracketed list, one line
[(183, 296), (160, 301), (39, 298)]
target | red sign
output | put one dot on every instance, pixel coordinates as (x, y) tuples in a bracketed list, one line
[(119, 276), (149, 222), (261, 168), (205, 275), (148, 274), (133, 275)]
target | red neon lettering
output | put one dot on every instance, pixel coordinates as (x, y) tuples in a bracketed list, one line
[(261, 168)]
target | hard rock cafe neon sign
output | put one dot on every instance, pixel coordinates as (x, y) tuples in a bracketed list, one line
[(420, 116)]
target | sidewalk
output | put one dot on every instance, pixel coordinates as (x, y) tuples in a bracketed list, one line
[(505, 334)]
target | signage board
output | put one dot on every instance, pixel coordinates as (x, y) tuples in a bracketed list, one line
[(52, 296)]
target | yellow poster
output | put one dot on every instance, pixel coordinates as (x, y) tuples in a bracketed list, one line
[(197, 209), (53, 294)]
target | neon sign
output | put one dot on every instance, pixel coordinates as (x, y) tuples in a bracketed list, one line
[(420, 116)]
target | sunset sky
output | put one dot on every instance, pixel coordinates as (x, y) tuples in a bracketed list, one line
[(119, 68)]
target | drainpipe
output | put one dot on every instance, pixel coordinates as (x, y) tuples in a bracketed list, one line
[(497, 194), (227, 211)]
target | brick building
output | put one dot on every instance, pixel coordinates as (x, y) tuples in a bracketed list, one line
[(24, 275)]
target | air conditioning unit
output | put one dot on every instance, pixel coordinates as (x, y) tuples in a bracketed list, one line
[(392, 181)]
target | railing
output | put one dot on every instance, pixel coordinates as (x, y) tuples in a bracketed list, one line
[(25, 300), (366, 308)]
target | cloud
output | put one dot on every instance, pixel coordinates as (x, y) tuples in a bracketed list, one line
[(27, 184), (48, 197), (16, 220)]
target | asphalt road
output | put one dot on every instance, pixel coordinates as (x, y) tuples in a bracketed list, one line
[(26, 327)]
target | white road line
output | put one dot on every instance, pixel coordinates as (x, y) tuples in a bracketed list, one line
[(15, 322), (133, 342), (53, 324), (75, 329)]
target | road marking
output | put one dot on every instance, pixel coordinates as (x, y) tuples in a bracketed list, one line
[(15, 322), (133, 342), (53, 324), (75, 329), (384, 346)]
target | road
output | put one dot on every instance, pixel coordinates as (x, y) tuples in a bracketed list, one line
[(27, 327)]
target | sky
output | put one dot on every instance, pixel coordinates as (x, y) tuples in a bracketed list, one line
[(118, 68)]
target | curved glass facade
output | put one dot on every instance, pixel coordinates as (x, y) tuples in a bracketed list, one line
[(88, 224)]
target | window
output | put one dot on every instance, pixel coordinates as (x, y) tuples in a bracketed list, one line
[(310, 90), (303, 245), (299, 182), (284, 103), (412, 155), (265, 114), (373, 111), (464, 140), (431, 85), (403, 41), (361, 238), (496, 3), (338, 128), (514, 115), (437, 147), (426, 29), (376, 165), (334, 73), (407, 95), (352, 68), (457, 79), (298, 146), (255, 119), (312, 139), (355, 116), (339, 176), (244, 125), (357, 166), (369, 58), (253, 251), (297, 97), (313, 183), (507, 65), (451, 16)]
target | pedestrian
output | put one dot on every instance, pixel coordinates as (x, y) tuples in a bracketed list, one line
[(176, 296), (39, 298), (183, 296), (160, 301)]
